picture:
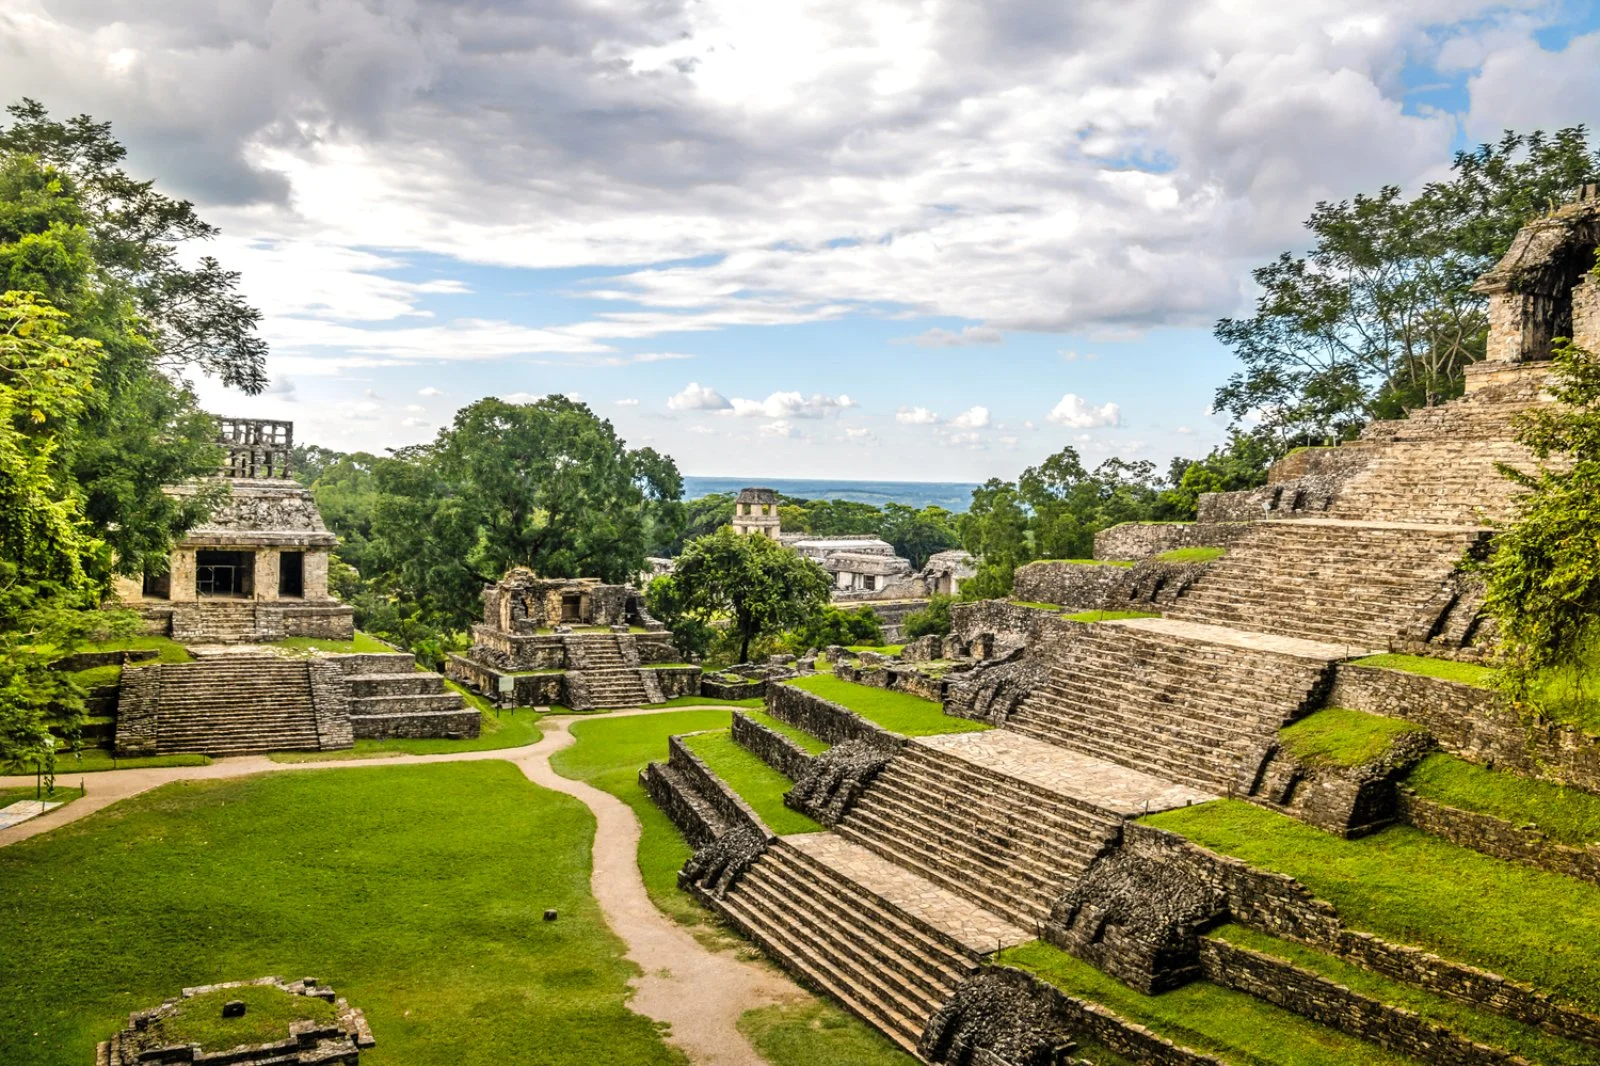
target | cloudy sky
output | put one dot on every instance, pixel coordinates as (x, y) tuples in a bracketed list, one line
[(926, 240)]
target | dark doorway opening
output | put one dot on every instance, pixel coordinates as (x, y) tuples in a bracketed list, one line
[(571, 607), (292, 574), (220, 573), (158, 586)]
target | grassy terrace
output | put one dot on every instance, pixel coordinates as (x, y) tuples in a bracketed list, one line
[(757, 784), (810, 743), (361, 643), (415, 891), (1339, 737), (881, 649), (268, 1014), (898, 712), (1445, 669), (1191, 555), (1485, 1028), (1237, 1028), (1569, 815), (508, 729), (1570, 695), (608, 754), (1088, 562), (1108, 616), (1405, 886)]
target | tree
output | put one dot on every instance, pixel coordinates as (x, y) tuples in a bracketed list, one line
[(1379, 317), (932, 620), (995, 529), (917, 535), (1242, 463), (831, 626), (1543, 576), (752, 584)]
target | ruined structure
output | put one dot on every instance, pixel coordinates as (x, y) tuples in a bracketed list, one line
[(943, 850), (571, 641), (257, 568), (755, 511)]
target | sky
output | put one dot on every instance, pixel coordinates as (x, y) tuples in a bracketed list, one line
[(927, 240)]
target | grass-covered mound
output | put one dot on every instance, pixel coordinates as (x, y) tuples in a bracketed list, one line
[(1238, 1028), (1531, 1043), (359, 643), (1412, 888), (898, 712), (757, 784), (609, 753), (1568, 815), (416, 891), (269, 1011), (1339, 737)]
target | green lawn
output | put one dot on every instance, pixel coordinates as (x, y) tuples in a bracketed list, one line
[(1447, 669), (898, 712), (814, 745), (1191, 555), (608, 754), (1485, 1028), (62, 794), (508, 729), (94, 760), (1109, 616), (1406, 886), (1569, 815), (361, 643), (1240, 1029), (757, 784), (881, 649), (1087, 562), (268, 1013), (814, 1033), (1339, 737), (415, 891), (167, 650)]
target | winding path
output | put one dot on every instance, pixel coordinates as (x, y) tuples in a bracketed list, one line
[(698, 992)]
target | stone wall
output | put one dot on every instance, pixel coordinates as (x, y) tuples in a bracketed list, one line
[(891, 615), (425, 725), (727, 803), (715, 686), (510, 651), (694, 819), (1313, 996), (770, 746), (330, 702), (527, 690), (994, 627), (1500, 838), (1081, 586), (138, 709), (908, 679), (678, 681), (333, 621), (1304, 484), (823, 719), (654, 647), (1475, 723), (1132, 541)]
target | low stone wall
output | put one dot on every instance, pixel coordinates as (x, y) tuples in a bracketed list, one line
[(330, 704), (732, 690), (507, 651), (1498, 837), (1476, 723), (727, 803), (823, 719), (419, 725), (698, 826), (1132, 541), (994, 627), (330, 622), (1081, 586), (678, 681), (527, 690), (770, 746), (86, 660), (655, 648), (138, 708), (1282, 906), (1301, 485), (907, 679), (1312, 996)]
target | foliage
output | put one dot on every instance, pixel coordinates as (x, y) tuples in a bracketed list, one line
[(753, 584), (831, 625), (1335, 736), (1569, 815), (932, 620), (1380, 317), (429, 883), (751, 780), (1240, 464), (1543, 579), (1234, 1026), (898, 712), (1404, 885)]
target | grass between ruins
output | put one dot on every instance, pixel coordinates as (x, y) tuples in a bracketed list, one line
[(415, 891), (359, 644), (898, 712), (1205, 1017), (814, 745), (1570, 694), (1444, 669), (1481, 1026), (757, 784), (268, 1013), (1108, 616), (1568, 815), (61, 795), (1191, 555), (814, 1033), (1339, 737), (508, 729), (1406, 886)]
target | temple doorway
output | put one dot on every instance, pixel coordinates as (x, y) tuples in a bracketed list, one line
[(223, 573)]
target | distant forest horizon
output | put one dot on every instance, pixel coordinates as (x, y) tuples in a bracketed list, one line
[(954, 496)]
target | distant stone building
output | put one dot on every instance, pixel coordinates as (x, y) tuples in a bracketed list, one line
[(755, 510), (857, 564), (945, 572), (257, 569)]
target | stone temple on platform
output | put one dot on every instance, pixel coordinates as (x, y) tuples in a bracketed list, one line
[(257, 569)]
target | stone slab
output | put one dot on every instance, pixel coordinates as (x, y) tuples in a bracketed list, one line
[(1241, 638), (967, 923), (1109, 786), (22, 810)]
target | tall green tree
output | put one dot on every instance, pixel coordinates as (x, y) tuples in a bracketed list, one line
[(1379, 317), (751, 584), (918, 534)]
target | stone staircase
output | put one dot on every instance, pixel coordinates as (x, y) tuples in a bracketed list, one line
[(236, 705), (604, 673), (391, 684), (216, 622), (1354, 584), (1184, 702), (888, 945), (991, 837)]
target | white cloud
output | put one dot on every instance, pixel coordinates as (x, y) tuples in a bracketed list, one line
[(575, 397), (697, 397), (915, 416), (429, 390), (1184, 430), (861, 435), (627, 403), (944, 338), (1073, 411), (782, 405), (972, 418), (781, 428), (1072, 356), (522, 397)]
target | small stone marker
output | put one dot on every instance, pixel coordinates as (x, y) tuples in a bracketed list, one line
[(550, 915), (234, 1008)]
